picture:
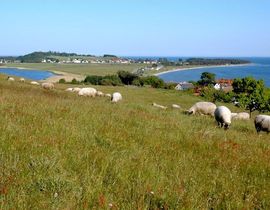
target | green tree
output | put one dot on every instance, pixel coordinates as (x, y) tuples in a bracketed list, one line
[(207, 78), (251, 94)]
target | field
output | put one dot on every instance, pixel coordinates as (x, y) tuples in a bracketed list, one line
[(84, 69), (60, 151)]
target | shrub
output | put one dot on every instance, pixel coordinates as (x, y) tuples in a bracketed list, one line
[(62, 81), (138, 82), (74, 81), (126, 77), (154, 82), (170, 85), (213, 95), (93, 80)]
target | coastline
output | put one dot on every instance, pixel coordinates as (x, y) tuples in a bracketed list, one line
[(200, 67), (56, 77), (63, 75)]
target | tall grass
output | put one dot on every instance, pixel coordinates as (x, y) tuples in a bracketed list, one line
[(60, 151)]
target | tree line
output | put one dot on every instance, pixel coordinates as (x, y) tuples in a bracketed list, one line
[(202, 62), (125, 78)]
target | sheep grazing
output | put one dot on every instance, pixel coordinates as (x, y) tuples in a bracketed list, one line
[(108, 95), (233, 115), (175, 106), (262, 123), (99, 93), (22, 79), (34, 83), (76, 90), (240, 116), (88, 92), (159, 106), (10, 79), (47, 85), (223, 116), (116, 97), (203, 108), (69, 89)]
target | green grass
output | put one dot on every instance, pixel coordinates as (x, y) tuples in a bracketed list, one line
[(61, 151), (84, 69)]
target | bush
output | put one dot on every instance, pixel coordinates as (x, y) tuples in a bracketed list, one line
[(154, 82), (74, 81), (213, 95), (170, 85), (138, 82), (93, 80), (112, 80), (62, 81), (126, 77)]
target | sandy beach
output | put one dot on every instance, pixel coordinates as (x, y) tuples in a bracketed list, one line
[(200, 67), (63, 75)]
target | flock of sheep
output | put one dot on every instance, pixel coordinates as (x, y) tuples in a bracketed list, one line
[(223, 115), (91, 92)]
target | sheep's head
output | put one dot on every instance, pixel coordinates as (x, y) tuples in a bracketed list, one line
[(190, 111), (226, 126)]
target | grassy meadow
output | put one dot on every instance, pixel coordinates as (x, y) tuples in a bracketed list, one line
[(61, 151), (84, 69)]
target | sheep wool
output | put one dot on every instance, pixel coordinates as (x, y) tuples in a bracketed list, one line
[(203, 108), (223, 116), (91, 92), (116, 97), (262, 123), (47, 85)]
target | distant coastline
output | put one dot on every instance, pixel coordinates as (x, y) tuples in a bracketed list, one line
[(201, 67)]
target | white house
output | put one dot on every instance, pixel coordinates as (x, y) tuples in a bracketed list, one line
[(76, 61), (217, 86)]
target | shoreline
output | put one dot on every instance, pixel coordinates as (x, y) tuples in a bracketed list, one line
[(63, 75), (54, 78), (200, 67)]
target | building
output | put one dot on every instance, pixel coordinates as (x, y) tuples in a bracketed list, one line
[(184, 86), (224, 84)]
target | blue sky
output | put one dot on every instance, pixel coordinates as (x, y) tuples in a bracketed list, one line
[(136, 27)]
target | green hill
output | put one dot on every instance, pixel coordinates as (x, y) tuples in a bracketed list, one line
[(37, 57), (61, 151)]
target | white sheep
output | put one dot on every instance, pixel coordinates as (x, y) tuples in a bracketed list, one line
[(108, 95), (159, 106), (203, 108), (99, 93), (10, 79), (116, 97), (34, 83), (175, 106), (262, 123), (69, 89), (22, 79), (76, 90), (240, 116), (88, 92), (233, 115), (47, 85), (223, 116)]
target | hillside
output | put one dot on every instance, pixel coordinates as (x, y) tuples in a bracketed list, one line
[(60, 151), (38, 57)]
